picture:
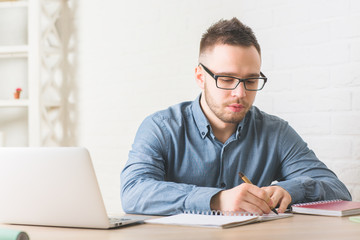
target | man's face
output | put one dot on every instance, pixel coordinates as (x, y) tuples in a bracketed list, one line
[(228, 106)]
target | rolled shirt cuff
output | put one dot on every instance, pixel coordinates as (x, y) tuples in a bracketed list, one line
[(199, 199)]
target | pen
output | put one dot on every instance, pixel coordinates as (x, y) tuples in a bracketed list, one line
[(245, 179)]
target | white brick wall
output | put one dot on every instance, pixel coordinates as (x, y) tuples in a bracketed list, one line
[(136, 57), (313, 65)]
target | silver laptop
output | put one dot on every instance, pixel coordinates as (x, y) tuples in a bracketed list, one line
[(53, 187)]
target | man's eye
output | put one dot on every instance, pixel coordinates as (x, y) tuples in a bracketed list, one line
[(251, 81), (226, 79)]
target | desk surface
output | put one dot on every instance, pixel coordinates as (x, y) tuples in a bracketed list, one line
[(296, 227)]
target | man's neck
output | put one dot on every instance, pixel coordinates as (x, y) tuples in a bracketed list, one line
[(221, 130), (223, 133)]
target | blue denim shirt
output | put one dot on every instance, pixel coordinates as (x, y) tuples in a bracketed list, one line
[(176, 163)]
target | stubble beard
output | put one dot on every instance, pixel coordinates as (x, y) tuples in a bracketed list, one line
[(220, 113)]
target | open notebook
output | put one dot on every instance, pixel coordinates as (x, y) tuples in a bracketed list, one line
[(217, 221)]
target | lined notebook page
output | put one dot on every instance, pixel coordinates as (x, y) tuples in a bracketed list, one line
[(213, 220)]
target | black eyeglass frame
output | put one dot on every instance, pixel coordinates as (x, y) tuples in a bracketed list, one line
[(215, 77)]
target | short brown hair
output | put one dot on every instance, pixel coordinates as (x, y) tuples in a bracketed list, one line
[(231, 32)]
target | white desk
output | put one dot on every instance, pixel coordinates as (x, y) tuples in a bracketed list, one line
[(294, 228)]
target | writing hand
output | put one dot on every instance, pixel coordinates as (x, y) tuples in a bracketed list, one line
[(244, 198), (279, 196)]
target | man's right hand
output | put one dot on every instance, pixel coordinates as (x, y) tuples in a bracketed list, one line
[(243, 198)]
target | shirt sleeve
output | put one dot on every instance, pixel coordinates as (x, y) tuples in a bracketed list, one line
[(144, 189), (303, 175)]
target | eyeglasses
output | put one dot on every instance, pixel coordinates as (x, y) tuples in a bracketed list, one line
[(230, 83)]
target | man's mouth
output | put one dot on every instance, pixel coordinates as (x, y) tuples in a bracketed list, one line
[(235, 107)]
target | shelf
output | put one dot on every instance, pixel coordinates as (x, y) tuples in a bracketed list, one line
[(12, 4), (25, 103), (14, 103), (13, 51), (28, 30)]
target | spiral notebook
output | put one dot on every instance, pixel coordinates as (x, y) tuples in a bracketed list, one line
[(328, 208), (216, 219)]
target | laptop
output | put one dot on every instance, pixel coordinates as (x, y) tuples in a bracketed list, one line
[(54, 186)]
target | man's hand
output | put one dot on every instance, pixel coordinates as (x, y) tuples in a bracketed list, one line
[(245, 198), (279, 196)]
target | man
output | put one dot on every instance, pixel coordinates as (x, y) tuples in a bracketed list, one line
[(188, 156)]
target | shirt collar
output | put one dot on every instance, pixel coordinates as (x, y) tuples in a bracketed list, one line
[(244, 122), (201, 121)]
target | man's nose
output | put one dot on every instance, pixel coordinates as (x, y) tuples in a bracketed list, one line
[(239, 91)]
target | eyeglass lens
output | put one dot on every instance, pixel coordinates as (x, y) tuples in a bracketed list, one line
[(226, 82)]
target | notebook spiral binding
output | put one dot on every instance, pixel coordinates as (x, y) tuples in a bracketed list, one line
[(318, 202), (220, 213)]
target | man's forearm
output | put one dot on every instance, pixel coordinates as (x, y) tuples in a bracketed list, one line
[(149, 196), (307, 189)]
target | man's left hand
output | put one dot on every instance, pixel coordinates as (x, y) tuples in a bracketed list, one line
[(279, 196)]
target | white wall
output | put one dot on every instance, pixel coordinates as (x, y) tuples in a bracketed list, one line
[(136, 57)]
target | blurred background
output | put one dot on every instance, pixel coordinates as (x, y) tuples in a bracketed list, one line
[(112, 63)]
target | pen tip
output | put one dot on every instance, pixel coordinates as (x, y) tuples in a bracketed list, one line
[(241, 174), (274, 210)]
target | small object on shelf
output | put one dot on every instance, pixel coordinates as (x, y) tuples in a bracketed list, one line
[(17, 93)]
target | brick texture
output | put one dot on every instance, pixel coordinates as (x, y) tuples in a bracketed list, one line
[(321, 61)]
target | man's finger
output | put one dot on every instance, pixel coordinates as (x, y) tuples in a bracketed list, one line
[(259, 198)]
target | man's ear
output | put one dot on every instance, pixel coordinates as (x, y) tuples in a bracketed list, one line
[(199, 77)]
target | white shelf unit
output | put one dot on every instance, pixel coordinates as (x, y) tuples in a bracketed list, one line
[(43, 99), (14, 51), (14, 103)]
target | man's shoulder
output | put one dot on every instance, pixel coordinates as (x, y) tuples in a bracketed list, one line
[(262, 117), (175, 112)]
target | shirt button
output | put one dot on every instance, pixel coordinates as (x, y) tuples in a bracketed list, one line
[(222, 185), (203, 133)]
